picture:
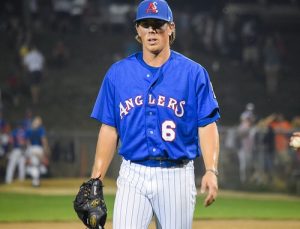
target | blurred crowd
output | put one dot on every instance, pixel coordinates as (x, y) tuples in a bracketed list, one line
[(245, 39), (263, 148)]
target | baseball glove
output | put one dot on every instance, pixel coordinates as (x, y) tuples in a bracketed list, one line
[(89, 204)]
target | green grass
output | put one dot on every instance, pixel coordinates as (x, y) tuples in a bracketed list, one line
[(28, 207), (243, 208)]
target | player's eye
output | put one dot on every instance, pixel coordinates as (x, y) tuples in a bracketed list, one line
[(155, 24)]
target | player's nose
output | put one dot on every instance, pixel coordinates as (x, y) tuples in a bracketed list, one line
[(152, 29)]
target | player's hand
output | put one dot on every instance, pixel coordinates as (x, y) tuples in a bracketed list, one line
[(209, 184)]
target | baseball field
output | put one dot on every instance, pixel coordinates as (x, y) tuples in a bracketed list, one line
[(50, 206)]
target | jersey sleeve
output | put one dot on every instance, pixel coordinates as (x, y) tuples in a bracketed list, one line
[(207, 105), (103, 110)]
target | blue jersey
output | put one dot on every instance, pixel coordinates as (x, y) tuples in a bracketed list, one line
[(18, 137), (35, 135), (27, 122), (157, 111)]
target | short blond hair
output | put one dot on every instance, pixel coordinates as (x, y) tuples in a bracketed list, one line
[(36, 122)]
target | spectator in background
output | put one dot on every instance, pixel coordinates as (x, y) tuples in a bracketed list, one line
[(248, 113), (269, 147), (76, 12), (60, 54), (272, 65), (219, 37), (208, 34), (34, 10), (250, 44), (62, 9), (184, 31), (37, 151), (4, 134), (198, 24), (233, 37), (282, 128), (17, 155), (246, 134), (34, 62)]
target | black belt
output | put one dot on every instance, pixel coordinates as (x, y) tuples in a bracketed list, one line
[(162, 162)]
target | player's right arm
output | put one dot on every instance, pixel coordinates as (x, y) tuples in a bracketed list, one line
[(105, 149)]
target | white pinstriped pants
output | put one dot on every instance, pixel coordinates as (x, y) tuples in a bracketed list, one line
[(167, 193)]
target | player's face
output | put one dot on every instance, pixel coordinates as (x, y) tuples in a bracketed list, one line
[(154, 34)]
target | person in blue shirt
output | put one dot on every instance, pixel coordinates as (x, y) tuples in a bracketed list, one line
[(37, 150), (162, 107), (17, 155)]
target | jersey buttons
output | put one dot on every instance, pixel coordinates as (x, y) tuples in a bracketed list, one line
[(148, 75), (151, 132)]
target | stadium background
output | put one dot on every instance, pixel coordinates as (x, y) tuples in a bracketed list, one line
[(215, 33)]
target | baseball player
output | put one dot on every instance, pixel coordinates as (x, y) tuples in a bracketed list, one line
[(17, 154), (37, 150), (162, 107)]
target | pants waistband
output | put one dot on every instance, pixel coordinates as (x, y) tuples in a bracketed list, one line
[(162, 162)]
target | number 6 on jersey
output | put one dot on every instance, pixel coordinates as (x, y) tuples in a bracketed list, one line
[(168, 130)]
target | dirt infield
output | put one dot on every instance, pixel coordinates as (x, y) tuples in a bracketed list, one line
[(206, 224)]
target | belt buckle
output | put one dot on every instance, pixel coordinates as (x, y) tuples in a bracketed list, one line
[(160, 163)]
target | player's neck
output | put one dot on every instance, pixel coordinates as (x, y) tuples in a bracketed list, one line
[(156, 59)]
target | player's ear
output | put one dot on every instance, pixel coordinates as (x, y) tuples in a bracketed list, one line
[(172, 26), (137, 29), (138, 36)]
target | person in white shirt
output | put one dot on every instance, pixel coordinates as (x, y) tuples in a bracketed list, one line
[(34, 63)]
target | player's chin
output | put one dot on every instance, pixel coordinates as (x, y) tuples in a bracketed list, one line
[(154, 49)]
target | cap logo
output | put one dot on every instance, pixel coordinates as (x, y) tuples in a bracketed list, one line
[(152, 8)]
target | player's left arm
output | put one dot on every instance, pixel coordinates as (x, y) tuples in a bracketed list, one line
[(209, 144), (46, 157), (45, 144)]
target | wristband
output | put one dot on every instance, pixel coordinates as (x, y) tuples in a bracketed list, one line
[(214, 171)]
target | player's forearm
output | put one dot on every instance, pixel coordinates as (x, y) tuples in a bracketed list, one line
[(209, 143), (105, 149), (46, 146)]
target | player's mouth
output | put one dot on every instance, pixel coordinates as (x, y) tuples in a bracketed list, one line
[(152, 41)]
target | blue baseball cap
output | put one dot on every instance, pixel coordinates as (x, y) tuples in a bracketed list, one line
[(154, 9)]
